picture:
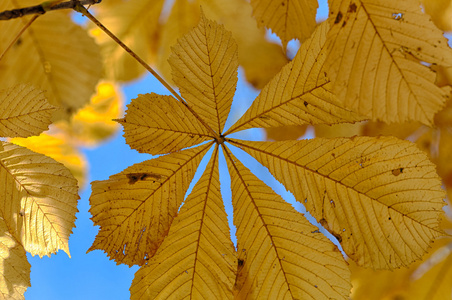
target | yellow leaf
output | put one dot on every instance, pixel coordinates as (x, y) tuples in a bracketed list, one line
[(24, 111), (58, 147), (424, 280), (136, 207), (39, 199), (299, 94), (200, 259), (338, 130), (204, 64), (55, 55), (14, 266), (441, 12), (94, 123), (137, 26), (158, 124), (183, 17), (289, 132), (289, 19), (380, 197), (376, 51), (260, 59), (280, 254)]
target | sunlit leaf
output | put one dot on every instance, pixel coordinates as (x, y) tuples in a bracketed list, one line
[(39, 199), (299, 94), (14, 266), (379, 51), (280, 254), (199, 257), (136, 207), (60, 148), (204, 64), (55, 55), (161, 124), (289, 19), (380, 197), (24, 111)]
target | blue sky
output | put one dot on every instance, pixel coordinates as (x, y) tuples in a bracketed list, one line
[(93, 275)]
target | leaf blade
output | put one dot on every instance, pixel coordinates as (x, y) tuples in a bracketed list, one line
[(158, 124), (42, 199), (199, 256), (388, 180), (136, 207), (280, 253), (299, 94), (204, 66), (383, 77), (24, 112), (289, 19)]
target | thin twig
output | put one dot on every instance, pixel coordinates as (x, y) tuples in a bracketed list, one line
[(43, 8), (81, 9), (18, 35)]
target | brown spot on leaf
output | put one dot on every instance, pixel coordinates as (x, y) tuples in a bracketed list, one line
[(397, 172), (352, 8), (337, 236), (240, 262), (305, 104), (134, 177), (338, 18)]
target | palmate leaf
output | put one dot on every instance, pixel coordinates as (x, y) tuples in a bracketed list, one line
[(24, 111), (373, 194), (375, 50), (197, 252), (289, 19), (383, 192), (54, 55), (281, 255)]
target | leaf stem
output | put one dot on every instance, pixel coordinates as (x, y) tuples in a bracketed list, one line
[(43, 8), (81, 9), (19, 35)]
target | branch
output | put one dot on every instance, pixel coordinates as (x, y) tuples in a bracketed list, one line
[(43, 8)]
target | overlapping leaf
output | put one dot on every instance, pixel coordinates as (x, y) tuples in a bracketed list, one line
[(260, 59), (14, 266), (375, 52), (281, 255), (24, 111), (373, 194), (136, 207), (200, 260), (289, 19), (137, 26), (54, 55), (39, 199), (161, 124), (299, 94)]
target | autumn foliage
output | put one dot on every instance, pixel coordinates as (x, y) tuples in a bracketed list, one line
[(372, 81)]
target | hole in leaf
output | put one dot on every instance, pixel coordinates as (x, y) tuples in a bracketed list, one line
[(397, 16)]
